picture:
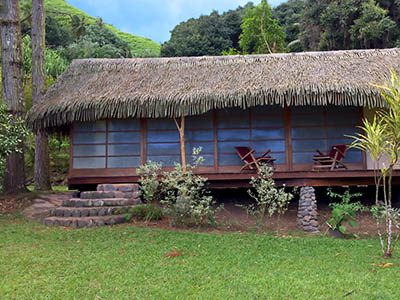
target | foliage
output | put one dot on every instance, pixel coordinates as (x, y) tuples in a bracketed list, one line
[(269, 199), (55, 63), (373, 29), (344, 211), (261, 32), (381, 140), (146, 212), (150, 186), (289, 15), (67, 16), (186, 198), (349, 24), (59, 157), (207, 35), (97, 41), (12, 133), (57, 35)]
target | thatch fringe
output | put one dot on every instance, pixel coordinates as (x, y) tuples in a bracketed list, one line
[(94, 89)]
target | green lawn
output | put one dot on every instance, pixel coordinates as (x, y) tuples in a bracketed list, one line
[(126, 262)]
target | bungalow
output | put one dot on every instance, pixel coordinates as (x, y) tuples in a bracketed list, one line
[(121, 113)]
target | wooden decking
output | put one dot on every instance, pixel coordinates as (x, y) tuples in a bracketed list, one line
[(241, 179)]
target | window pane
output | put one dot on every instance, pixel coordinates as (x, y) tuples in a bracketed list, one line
[(123, 137), (90, 138), (89, 163), (124, 124), (123, 162), (233, 135), (89, 150), (124, 149)]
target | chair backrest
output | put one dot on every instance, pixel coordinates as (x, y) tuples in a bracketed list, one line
[(342, 149), (242, 151)]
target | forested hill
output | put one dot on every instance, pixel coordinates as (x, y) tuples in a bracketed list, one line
[(73, 18), (293, 26)]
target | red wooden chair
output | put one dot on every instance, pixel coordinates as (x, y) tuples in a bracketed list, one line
[(246, 154), (331, 160)]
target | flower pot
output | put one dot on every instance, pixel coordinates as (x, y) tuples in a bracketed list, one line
[(336, 233)]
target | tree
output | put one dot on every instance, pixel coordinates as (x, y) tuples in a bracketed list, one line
[(42, 159), (261, 33), (12, 73), (336, 21), (98, 41), (289, 16), (374, 28), (206, 35), (310, 25)]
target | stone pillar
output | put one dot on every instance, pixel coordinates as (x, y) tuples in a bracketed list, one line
[(307, 216)]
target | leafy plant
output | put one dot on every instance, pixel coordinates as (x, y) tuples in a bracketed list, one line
[(146, 212), (268, 197), (186, 198), (381, 141), (150, 186), (12, 133), (343, 212)]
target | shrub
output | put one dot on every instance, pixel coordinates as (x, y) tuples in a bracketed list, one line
[(150, 186), (146, 212), (186, 198), (268, 197), (343, 212)]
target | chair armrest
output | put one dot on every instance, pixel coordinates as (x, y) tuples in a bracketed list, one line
[(266, 153), (319, 152)]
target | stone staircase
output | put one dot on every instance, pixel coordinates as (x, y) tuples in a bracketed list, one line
[(106, 206)]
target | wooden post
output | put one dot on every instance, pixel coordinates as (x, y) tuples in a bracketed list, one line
[(181, 130)]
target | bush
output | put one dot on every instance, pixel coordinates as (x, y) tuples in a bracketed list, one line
[(186, 198), (269, 199), (146, 212), (150, 186), (343, 212)]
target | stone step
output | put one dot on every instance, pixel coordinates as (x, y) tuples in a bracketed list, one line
[(77, 202), (84, 222), (109, 194), (95, 211), (121, 187)]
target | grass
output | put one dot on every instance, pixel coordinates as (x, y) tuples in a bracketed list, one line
[(126, 262), (54, 188), (139, 45)]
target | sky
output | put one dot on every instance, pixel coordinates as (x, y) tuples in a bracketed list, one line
[(154, 19)]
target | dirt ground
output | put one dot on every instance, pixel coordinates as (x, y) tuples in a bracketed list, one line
[(235, 219), (232, 217)]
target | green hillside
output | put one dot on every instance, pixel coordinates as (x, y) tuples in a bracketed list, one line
[(139, 45)]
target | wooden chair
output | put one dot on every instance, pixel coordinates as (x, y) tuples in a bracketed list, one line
[(331, 160), (246, 154)]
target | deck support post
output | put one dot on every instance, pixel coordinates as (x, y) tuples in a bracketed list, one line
[(307, 215)]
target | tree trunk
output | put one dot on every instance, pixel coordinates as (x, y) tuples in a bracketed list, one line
[(11, 75), (181, 129), (42, 160)]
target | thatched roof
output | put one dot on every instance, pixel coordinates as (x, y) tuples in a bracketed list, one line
[(92, 89)]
